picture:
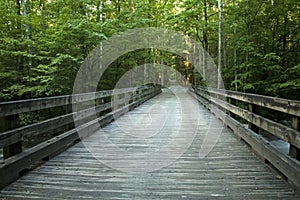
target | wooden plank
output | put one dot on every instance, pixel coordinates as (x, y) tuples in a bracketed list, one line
[(288, 106), (232, 102), (251, 126), (12, 166), (14, 147), (295, 149), (230, 170), (13, 136), (29, 105), (283, 132), (287, 166)]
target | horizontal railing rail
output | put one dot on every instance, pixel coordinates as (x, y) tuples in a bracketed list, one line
[(230, 107), (23, 106), (16, 158), (288, 134), (287, 106)]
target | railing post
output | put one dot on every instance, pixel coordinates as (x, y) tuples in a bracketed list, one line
[(68, 109), (232, 102), (294, 151), (7, 123), (253, 109)]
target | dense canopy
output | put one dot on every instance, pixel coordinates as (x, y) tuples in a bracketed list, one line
[(44, 42)]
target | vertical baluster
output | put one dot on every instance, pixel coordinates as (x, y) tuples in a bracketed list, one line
[(232, 102), (10, 122), (295, 151), (253, 109)]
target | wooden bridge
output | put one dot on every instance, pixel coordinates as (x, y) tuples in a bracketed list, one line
[(188, 150)]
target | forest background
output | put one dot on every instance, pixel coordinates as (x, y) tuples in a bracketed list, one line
[(44, 42)]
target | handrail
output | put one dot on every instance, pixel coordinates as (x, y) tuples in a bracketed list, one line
[(283, 132), (17, 159), (29, 105), (224, 104), (288, 106)]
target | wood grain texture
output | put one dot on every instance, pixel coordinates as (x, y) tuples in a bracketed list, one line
[(287, 165), (229, 171), (29, 105), (285, 133), (288, 106), (12, 166)]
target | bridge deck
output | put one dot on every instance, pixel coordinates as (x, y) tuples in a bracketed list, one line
[(154, 154)]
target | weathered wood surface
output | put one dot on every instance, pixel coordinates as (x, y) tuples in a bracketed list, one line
[(22, 106), (285, 133), (288, 106), (287, 165), (229, 171), (12, 136), (14, 164)]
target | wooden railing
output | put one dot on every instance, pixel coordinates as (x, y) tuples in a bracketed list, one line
[(16, 159), (233, 107)]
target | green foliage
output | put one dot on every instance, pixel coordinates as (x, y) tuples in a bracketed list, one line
[(267, 47), (40, 52), (290, 87)]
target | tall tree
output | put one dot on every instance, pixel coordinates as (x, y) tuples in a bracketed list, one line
[(219, 43), (234, 49)]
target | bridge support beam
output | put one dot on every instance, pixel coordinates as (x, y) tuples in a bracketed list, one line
[(294, 151)]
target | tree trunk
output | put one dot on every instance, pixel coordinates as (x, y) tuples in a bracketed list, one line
[(234, 50), (205, 41), (118, 7), (220, 43), (284, 43), (224, 65), (26, 9), (19, 58), (42, 8), (100, 10)]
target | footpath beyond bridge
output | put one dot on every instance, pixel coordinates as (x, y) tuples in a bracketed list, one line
[(158, 155)]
